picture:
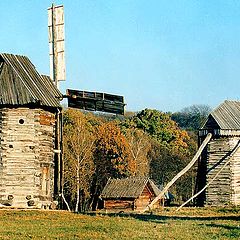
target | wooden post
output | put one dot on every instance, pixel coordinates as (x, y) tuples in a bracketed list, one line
[(212, 180), (195, 158), (59, 154)]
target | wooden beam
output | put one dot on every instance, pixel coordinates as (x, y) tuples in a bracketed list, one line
[(195, 158), (217, 174)]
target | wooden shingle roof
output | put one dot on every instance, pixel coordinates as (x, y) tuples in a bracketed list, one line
[(21, 84), (127, 188), (50, 85), (226, 116)]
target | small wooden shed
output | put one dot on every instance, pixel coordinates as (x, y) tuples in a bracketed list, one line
[(129, 194), (29, 135), (219, 165)]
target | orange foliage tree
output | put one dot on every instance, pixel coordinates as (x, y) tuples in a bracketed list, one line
[(112, 156), (97, 148), (171, 148), (139, 143)]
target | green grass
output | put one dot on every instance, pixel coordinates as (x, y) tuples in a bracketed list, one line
[(190, 223)]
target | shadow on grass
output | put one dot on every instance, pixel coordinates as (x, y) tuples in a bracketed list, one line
[(228, 227), (160, 218)]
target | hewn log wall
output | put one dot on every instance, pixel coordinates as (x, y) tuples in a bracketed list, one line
[(119, 205), (144, 199), (130, 204), (26, 169), (225, 189), (235, 173)]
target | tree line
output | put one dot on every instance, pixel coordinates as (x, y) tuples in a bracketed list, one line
[(148, 143)]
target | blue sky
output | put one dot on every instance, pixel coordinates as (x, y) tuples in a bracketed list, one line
[(159, 54)]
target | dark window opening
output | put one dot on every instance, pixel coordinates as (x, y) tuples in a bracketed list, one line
[(21, 121)]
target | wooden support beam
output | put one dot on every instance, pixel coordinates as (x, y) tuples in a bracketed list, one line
[(212, 180), (195, 158)]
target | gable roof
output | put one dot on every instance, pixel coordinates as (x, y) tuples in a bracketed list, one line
[(127, 187), (226, 116), (21, 84)]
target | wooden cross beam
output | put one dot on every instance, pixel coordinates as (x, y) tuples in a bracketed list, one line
[(95, 101)]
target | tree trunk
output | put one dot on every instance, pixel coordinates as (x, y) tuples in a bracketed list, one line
[(65, 201), (78, 185)]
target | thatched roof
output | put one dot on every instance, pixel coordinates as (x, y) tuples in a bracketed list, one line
[(21, 84), (226, 116), (128, 188)]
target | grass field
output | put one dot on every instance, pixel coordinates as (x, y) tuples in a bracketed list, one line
[(167, 224)]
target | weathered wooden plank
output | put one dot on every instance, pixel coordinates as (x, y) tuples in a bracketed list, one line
[(25, 146)]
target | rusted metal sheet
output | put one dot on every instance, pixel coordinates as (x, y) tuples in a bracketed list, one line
[(95, 101)]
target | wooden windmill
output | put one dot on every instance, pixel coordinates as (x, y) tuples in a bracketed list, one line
[(31, 123), (86, 100), (218, 179), (219, 165)]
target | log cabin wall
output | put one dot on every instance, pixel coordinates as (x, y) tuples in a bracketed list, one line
[(144, 199), (224, 124), (26, 168), (219, 192), (225, 189), (29, 108), (129, 194), (119, 204), (129, 204), (235, 173), (45, 126)]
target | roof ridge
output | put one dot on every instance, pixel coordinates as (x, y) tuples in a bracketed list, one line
[(227, 115)]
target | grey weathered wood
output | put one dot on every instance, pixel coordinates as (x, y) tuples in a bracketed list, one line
[(215, 196), (28, 107), (195, 158), (26, 149), (224, 123)]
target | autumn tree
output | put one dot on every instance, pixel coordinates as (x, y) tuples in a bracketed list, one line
[(139, 144), (78, 142), (171, 148), (160, 127), (165, 164), (97, 147), (112, 157)]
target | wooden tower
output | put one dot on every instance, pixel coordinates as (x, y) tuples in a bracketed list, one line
[(29, 109), (219, 164)]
